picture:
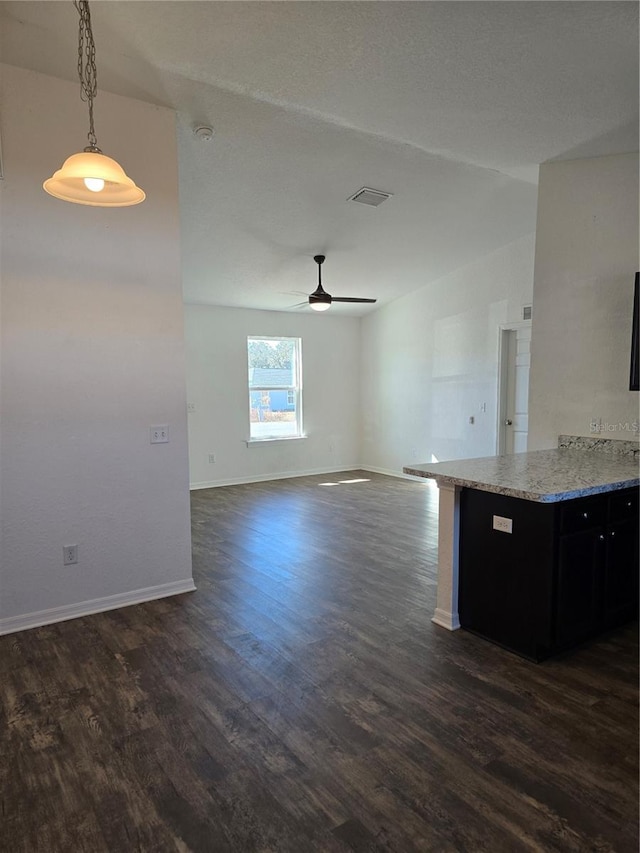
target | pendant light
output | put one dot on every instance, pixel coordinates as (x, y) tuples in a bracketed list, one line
[(90, 177)]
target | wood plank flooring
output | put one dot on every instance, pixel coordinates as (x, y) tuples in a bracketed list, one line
[(301, 700)]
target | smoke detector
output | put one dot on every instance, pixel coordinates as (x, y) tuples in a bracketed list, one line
[(203, 132), (366, 195)]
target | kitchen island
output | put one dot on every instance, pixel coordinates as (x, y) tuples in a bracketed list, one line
[(538, 550)]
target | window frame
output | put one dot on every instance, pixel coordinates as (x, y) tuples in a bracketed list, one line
[(295, 389)]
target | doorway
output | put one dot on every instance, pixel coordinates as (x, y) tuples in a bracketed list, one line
[(514, 361)]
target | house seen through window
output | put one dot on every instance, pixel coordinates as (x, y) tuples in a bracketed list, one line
[(275, 388)]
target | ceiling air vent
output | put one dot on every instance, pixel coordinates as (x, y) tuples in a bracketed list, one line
[(368, 196)]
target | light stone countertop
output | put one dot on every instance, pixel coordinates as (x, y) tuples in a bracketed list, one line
[(540, 475)]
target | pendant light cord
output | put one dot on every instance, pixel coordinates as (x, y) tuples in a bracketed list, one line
[(87, 71)]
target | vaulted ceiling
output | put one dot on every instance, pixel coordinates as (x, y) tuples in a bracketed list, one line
[(449, 106)]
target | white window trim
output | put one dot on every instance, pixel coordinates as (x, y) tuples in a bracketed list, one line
[(297, 391), (251, 441)]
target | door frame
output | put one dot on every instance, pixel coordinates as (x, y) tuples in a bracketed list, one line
[(501, 396)]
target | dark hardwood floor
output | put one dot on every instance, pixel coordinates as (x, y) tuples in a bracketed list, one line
[(301, 700)]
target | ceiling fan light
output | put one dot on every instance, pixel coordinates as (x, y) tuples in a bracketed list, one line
[(74, 182), (319, 300)]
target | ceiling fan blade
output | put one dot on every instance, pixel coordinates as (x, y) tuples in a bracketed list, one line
[(351, 299), (299, 305)]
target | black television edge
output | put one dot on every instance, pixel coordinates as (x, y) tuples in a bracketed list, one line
[(634, 372)]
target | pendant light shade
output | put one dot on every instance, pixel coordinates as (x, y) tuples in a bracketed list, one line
[(95, 179), (90, 177)]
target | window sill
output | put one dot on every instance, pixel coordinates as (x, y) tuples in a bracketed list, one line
[(251, 441)]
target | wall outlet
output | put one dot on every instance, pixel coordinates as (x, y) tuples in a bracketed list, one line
[(159, 434), (69, 555), (212, 458), (191, 407), (504, 525), (472, 420)]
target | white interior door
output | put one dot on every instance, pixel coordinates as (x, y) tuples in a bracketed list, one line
[(514, 389)]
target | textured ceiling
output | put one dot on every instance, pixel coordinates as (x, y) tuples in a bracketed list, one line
[(450, 106)]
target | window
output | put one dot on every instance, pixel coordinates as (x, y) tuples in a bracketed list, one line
[(275, 388)]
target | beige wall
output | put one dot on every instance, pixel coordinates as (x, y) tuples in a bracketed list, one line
[(92, 356), (585, 260)]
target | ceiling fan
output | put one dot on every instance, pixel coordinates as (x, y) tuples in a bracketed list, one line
[(320, 300)]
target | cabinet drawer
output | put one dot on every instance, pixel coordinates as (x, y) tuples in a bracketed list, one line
[(623, 505), (583, 514)]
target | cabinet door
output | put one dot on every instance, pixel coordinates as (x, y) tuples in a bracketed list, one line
[(578, 586), (621, 572)]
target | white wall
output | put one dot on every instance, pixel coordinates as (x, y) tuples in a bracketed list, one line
[(430, 360), (585, 260), (216, 341), (92, 355)]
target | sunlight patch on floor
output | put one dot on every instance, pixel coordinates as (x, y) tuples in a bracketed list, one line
[(347, 482)]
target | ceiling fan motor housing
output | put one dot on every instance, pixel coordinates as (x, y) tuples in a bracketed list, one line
[(319, 296)]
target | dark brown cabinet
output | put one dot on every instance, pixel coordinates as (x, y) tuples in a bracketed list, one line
[(620, 593), (566, 572), (578, 585)]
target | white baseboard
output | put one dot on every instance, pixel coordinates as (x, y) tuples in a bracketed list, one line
[(261, 478), (287, 475), (389, 473), (94, 605), (445, 619)]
